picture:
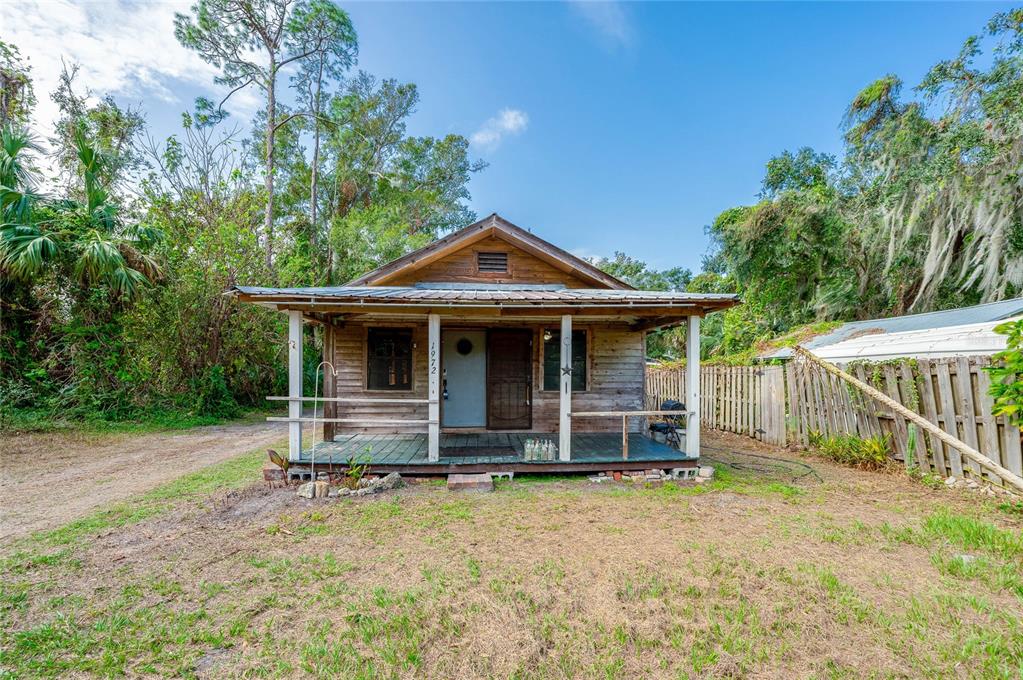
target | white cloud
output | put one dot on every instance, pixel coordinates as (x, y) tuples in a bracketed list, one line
[(609, 19), (123, 48), (506, 123)]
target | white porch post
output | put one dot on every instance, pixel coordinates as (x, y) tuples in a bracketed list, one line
[(565, 401), (693, 385), (433, 370), (294, 384)]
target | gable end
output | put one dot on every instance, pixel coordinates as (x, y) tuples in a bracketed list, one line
[(475, 254)]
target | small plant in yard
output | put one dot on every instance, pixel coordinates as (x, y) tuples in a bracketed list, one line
[(1012, 508), (278, 460), (356, 471), (871, 453), (928, 479)]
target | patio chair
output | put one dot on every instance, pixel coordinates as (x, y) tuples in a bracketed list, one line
[(670, 426)]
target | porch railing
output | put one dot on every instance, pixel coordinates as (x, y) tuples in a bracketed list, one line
[(625, 415), (350, 400)]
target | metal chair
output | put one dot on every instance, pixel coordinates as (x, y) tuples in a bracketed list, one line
[(670, 426)]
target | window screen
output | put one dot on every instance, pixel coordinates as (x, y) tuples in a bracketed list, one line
[(492, 263), (389, 357), (552, 360)]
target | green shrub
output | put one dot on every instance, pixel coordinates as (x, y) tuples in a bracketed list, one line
[(1007, 374), (872, 453), (212, 396)]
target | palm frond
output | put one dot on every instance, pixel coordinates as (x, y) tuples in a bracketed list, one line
[(140, 261), (103, 214), (25, 250), (16, 206), (94, 161), (99, 258), (126, 281), (16, 170), (143, 235)]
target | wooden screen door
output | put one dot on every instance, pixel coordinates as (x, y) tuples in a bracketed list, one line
[(509, 379)]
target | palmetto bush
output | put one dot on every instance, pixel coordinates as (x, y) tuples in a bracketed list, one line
[(82, 241), (867, 454), (69, 266)]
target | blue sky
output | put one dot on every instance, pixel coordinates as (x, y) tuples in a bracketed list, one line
[(620, 126)]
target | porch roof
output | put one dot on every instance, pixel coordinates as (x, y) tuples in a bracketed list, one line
[(478, 295)]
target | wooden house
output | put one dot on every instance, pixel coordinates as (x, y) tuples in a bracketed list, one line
[(489, 349)]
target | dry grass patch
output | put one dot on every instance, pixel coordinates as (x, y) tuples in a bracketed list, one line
[(750, 576)]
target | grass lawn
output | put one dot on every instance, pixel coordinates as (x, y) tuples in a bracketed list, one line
[(841, 574)]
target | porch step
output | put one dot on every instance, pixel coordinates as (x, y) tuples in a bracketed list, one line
[(462, 482)]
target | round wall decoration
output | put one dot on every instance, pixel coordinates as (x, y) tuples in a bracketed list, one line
[(464, 346)]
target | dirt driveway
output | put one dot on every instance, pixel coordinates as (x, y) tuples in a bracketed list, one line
[(50, 479)]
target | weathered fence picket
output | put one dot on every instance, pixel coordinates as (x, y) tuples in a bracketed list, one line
[(746, 400), (782, 404)]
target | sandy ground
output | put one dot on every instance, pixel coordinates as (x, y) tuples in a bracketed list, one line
[(50, 479)]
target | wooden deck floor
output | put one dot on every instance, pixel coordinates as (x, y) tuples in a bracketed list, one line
[(493, 451)]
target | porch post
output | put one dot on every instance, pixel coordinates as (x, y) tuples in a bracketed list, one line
[(565, 401), (693, 385), (433, 370), (329, 408), (294, 384)]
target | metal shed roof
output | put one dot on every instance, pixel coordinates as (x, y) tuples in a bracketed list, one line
[(992, 311), (931, 343)]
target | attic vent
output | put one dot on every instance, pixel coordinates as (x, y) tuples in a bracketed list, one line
[(492, 263)]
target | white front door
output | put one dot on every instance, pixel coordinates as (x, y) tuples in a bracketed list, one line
[(463, 378)]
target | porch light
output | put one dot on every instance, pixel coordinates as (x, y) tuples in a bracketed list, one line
[(547, 336)]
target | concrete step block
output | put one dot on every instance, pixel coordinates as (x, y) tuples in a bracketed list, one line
[(461, 482)]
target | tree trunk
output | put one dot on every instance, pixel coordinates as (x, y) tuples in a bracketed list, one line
[(314, 180), (271, 120)]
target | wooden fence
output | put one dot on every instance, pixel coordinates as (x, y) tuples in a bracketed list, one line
[(746, 400), (788, 404)]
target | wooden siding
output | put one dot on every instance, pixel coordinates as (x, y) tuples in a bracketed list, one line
[(460, 267), (615, 378)]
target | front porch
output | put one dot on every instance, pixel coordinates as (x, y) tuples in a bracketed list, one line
[(493, 452)]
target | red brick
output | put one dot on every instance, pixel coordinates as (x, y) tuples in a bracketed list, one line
[(272, 473)]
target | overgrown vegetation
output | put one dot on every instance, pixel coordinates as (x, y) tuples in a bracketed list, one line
[(872, 453), (1007, 374), (923, 211), (114, 261)]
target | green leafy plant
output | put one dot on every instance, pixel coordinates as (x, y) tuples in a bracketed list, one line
[(82, 242), (1007, 374), (357, 468), (872, 453)]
